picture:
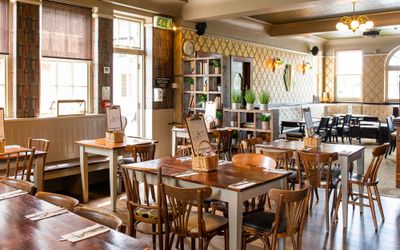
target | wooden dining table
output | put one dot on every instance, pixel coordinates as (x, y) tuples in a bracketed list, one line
[(220, 181), (347, 155), (105, 148), (39, 164), (20, 233)]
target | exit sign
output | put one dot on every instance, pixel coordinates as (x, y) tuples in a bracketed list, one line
[(163, 22)]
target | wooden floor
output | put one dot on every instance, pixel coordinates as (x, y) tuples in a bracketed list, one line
[(360, 233)]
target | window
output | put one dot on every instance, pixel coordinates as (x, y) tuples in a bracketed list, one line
[(393, 75), (3, 81), (128, 33), (348, 75), (62, 80)]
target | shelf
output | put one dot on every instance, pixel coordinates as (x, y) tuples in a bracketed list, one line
[(215, 75), (202, 92), (195, 75), (251, 129), (246, 111)]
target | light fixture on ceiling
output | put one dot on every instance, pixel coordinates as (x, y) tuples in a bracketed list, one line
[(354, 23)]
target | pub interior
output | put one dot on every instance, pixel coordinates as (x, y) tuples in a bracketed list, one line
[(187, 124)]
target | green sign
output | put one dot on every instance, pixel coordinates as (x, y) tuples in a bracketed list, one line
[(163, 23)]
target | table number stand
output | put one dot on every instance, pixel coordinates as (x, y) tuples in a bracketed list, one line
[(114, 131)]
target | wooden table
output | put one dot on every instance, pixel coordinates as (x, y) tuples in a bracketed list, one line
[(112, 150), (20, 233), (219, 182), (38, 168), (347, 154)]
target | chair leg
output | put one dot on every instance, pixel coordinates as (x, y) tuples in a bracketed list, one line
[(226, 238), (193, 241), (153, 227), (327, 209), (378, 200), (372, 207), (337, 205), (316, 194), (334, 200)]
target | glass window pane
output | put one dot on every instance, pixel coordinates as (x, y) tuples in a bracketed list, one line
[(395, 59), (123, 33), (393, 84), (127, 33), (349, 62), (348, 86)]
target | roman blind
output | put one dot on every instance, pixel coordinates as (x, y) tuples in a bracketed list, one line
[(3, 26), (66, 31)]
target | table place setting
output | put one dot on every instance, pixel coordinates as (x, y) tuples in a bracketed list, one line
[(276, 170), (85, 233), (242, 184), (12, 194), (46, 214), (185, 173)]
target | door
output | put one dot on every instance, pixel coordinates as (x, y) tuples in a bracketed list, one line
[(128, 89)]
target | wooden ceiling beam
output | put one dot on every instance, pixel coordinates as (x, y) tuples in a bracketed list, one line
[(301, 28)]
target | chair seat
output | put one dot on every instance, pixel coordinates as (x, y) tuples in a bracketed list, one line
[(262, 221), (358, 179), (146, 213), (211, 221), (126, 160)]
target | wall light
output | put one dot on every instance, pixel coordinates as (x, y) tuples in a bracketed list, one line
[(306, 67), (275, 63)]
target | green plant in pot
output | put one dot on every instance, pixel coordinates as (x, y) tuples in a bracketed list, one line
[(250, 98), (190, 81), (202, 100), (234, 137), (264, 98), (236, 99), (265, 118), (216, 63), (219, 118)]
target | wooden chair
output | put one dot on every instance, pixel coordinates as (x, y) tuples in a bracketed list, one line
[(19, 163), (284, 159), (344, 129), (392, 134), (286, 221), (58, 200), (224, 142), (249, 145), (19, 184), (141, 207), (40, 145), (323, 128), (192, 224), (333, 129), (102, 218), (252, 160), (369, 180), (314, 168), (143, 152)]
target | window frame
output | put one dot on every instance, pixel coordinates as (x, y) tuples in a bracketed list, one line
[(128, 49), (338, 98), (387, 69), (89, 99), (6, 88)]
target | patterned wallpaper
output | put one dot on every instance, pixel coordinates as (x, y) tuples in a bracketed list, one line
[(28, 61), (373, 77), (263, 77)]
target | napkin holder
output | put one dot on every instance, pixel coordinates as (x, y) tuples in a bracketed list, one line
[(312, 142), (115, 136), (2, 146)]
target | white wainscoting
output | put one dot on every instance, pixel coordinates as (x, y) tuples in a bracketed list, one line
[(61, 131)]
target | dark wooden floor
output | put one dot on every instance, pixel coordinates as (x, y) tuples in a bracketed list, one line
[(360, 233)]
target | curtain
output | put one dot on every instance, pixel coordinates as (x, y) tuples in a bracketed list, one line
[(66, 31), (4, 27)]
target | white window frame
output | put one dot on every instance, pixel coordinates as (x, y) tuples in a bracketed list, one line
[(128, 49), (6, 89), (387, 69), (337, 98), (89, 99)]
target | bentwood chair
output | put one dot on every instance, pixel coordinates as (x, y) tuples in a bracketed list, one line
[(102, 218), (333, 129), (144, 208), (314, 169), (224, 142), (392, 134), (249, 145), (193, 224), (323, 128), (25, 186), (344, 129), (59, 200), (286, 221), (40, 145), (284, 159), (19, 164), (369, 180)]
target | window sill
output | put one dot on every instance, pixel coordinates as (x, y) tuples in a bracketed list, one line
[(52, 117)]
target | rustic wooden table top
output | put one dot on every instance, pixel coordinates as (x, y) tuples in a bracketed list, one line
[(103, 143), (225, 175), (20, 233)]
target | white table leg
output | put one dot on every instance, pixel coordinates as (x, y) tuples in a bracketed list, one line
[(344, 172), (113, 178), (173, 143), (282, 241), (235, 214), (84, 173), (360, 170)]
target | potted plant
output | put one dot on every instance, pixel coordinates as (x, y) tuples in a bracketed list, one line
[(191, 82), (202, 100), (219, 118), (234, 137), (265, 118), (236, 99), (216, 63), (250, 98), (264, 99)]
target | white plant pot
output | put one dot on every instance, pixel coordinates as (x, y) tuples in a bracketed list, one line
[(249, 106), (219, 88), (191, 87), (265, 125), (233, 123), (234, 141), (217, 70), (203, 105), (235, 105), (263, 106)]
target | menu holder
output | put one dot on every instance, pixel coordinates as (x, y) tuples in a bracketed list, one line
[(114, 124), (312, 142), (198, 133)]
